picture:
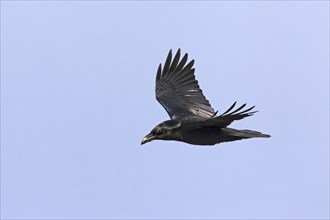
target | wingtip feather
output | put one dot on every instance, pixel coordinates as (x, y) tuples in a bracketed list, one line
[(159, 72), (167, 62)]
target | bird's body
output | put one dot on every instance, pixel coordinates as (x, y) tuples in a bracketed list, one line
[(193, 120)]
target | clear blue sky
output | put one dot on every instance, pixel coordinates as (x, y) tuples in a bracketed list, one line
[(77, 97)]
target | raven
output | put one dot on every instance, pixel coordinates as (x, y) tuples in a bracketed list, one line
[(193, 120)]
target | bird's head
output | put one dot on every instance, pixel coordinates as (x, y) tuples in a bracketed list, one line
[(166, 130)]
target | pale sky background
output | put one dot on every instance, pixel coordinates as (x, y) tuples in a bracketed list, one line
[(77, 97)]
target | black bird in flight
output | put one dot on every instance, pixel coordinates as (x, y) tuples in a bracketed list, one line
[(193, 120)]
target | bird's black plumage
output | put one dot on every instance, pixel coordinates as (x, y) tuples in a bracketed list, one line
[(178, 91), (193, 120)]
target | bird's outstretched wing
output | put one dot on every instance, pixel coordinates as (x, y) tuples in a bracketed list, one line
[(178, 91)]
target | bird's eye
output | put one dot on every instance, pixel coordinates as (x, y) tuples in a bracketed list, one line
[(158, 132), (163, 131)]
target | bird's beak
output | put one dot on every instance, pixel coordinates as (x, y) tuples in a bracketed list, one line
[(147, 138)]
